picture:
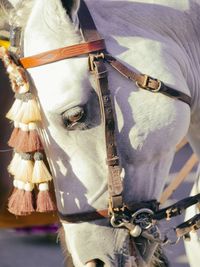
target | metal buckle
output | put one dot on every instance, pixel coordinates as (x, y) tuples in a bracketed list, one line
[(145, 84), (92, 58)]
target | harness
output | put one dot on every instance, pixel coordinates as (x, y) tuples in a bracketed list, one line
[(138, 218)]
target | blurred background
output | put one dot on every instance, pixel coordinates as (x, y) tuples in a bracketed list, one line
[(39, 248)]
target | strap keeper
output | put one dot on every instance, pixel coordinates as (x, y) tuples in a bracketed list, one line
[(116, 204)]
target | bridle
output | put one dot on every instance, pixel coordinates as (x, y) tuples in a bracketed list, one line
[(136, 217)]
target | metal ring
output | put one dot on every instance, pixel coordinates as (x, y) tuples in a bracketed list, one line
[(114, 224), (144, 210)]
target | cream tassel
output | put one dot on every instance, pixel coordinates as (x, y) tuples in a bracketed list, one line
[(31, 109), (16, 107), (40, 171), (14, 164), (25, 168)]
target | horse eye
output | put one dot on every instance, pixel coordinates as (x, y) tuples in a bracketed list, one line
[(73, 116)]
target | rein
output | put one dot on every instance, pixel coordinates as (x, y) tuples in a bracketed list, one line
[(138, 218)]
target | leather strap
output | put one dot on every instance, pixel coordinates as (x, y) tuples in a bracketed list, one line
[(87, 25), (131, 208), (84, 216), (177, 208), (146, 82), (191, 225), (115, 186), (62, 53)]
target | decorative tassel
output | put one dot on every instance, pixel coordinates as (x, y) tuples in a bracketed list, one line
[(40, 171), (25, 168), (16, 107), (32, 113), (44, 200), (29, 111), (12, 197), (16, 199), (23, 138), (28, 202), (34, 143), (14, 136), (14, 164)]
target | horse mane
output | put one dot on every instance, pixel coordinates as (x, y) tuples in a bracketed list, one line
[(15, 16)]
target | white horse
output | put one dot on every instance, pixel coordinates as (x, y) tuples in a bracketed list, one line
[(157, 37)]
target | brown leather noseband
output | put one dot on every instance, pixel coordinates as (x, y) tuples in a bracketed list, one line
[(94, 46)]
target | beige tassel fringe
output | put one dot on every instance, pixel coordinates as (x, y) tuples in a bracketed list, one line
[(16, 107), (25, 168), (40, 171), (31, 110), (15, 163)]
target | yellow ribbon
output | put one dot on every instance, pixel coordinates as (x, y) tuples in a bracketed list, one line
[(4, 43)]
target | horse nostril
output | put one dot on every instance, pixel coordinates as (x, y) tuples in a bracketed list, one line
[(73, 115)]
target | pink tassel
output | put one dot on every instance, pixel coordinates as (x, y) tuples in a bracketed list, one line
[(21, 201), (14, 202), (12, 142), (23, 138), (28, 201), (35, 143), (44, 199)]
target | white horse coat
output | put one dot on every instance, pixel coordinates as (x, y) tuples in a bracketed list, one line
[(159, 38)]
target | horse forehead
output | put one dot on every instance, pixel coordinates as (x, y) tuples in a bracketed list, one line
[(63, 82)]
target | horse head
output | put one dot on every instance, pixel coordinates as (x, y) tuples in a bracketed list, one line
[(148, 125)]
